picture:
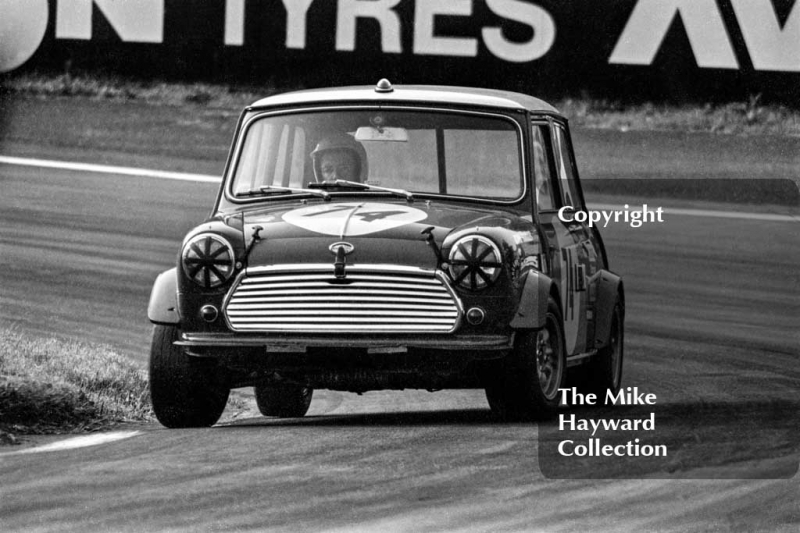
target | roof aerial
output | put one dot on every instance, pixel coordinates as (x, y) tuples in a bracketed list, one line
[(384, 86)]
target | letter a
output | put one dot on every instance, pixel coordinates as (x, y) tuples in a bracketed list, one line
[(651, 20)]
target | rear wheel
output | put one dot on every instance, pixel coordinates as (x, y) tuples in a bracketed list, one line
[(185, 392), (283, 401), (525, 386)]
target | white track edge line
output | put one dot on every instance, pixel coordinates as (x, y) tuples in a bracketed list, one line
[(76, 442), (769, 217), (108, 169)]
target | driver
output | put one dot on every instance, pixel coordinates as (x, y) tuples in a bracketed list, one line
[(339, 157)]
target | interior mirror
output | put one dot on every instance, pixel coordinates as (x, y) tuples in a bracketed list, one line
[(371, 134)]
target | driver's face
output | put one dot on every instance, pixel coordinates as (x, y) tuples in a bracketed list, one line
[(338, 165)]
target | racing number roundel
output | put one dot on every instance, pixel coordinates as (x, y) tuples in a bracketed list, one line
[(353, 218)]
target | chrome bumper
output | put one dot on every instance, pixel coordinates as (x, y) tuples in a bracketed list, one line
[(285, 343)]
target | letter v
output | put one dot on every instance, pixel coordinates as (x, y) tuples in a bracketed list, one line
[(651, 21)]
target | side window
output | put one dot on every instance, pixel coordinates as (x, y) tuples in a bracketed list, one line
[(272, 155), (542, 174), (566, 170), (289, 159), (296, 157)]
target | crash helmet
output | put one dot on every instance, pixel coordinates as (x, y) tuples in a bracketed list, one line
[(345, 143)]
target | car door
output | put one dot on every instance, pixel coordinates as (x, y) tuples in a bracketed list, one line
[(572, 256)]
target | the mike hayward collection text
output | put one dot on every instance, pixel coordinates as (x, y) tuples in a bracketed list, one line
[(593, 446)]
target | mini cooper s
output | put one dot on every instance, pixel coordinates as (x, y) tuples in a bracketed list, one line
[(389, 237)]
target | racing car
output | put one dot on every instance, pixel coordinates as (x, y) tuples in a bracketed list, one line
[(389, 237)]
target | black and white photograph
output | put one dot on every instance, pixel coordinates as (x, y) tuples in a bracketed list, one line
[(400, 265)]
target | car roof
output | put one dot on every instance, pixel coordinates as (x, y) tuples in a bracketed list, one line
[(384, 92)]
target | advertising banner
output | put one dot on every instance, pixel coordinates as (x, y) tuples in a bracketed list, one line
[(673, 50)]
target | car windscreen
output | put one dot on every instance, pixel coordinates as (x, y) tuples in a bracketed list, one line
[(421, 151)]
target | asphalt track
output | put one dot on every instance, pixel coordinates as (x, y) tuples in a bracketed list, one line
[(712, 330)]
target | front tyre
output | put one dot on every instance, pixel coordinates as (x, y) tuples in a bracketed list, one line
[(526, 385), (283, 401), (185, 392)]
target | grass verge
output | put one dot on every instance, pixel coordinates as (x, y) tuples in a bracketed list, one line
[(57, 386), (735, 118), (750, 117)]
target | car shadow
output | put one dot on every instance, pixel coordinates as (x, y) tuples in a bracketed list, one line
[(406, 418)]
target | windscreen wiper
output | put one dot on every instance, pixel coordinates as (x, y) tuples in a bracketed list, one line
[(315, 192), (366, 186)]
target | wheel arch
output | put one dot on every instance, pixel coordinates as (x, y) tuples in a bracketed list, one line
[(532, 309), (163, 306), (610, 291)]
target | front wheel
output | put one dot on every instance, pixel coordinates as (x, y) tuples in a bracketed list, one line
[(283, 401), (185, 392), (526, 385)]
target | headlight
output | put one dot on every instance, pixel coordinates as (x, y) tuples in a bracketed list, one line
[(208, 260), (474, 262)]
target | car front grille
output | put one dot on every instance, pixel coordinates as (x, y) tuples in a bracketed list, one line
[(371, 298)]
